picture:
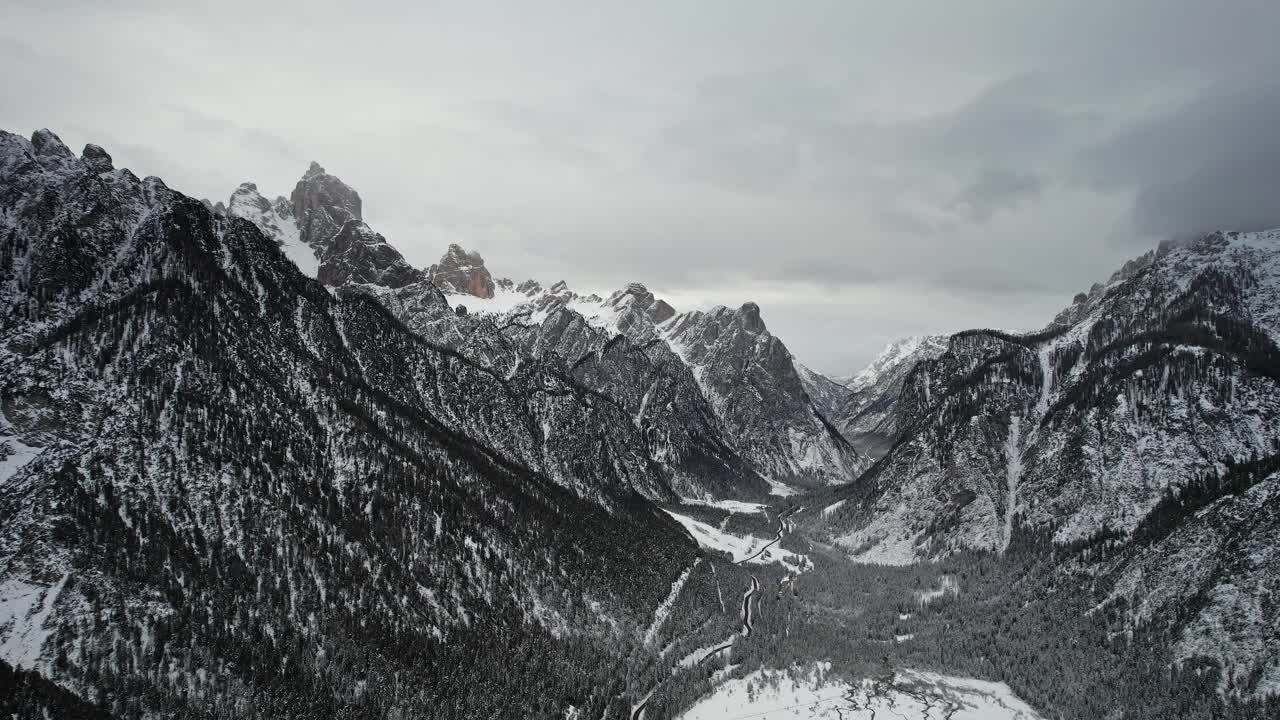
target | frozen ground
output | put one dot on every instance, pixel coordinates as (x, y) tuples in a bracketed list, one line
[(810, 694), (745, 549)]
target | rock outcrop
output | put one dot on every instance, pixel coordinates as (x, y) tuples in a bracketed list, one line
[(462, 272)]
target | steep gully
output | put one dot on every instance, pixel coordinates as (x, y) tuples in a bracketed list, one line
[(1015, 445), (784, 526)]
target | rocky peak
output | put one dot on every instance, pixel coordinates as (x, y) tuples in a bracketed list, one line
[(462, 272), (247, 194), (322, 204), (529, 287), (358, 254), (51, 152), (47, 144), (661, 312), (750, 378), (638, 298), (96, 158), (749, 314)]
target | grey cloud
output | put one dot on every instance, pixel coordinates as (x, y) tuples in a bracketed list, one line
[(994, 190), (1210, 163), (899, 221), (864, 169), (992, 282), (1007, 120)]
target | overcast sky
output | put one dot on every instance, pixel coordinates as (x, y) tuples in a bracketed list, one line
[(863, 170)]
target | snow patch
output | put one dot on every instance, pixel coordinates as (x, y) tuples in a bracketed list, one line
[(743, 549), (664, 610), (24, 610), (14, 455), (733, 506), (814, 693)]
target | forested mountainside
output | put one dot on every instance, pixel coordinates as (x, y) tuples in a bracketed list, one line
[(228, 492), (28, 695), (1136, 433)]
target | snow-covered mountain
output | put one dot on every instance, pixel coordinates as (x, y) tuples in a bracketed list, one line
[(1149, 381), (1138, 427), (900, 353), (750, 378), (752, 383), (865, 413), (228, 490), (752, 391), (276, 220)]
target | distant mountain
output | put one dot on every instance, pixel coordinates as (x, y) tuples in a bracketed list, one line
[(898, 354), (460, 271), (744, 432), (746, 374), (865, 413), (751, 379), (827, 394)]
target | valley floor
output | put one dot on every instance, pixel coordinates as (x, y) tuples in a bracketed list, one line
[(809, 694)]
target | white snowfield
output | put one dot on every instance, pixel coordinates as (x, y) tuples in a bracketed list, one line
[(733, 506), (247, 203), (742, 548), (811, 694), (503, 301)]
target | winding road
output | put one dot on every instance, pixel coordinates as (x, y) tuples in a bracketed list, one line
[(746, 606), (784, 526)]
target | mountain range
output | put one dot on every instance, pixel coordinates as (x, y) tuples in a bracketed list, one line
[(254, 463)]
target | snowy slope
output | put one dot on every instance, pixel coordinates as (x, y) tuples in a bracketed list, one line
[(894, 355), (1166, 372), (866, 413), (276, 221), (751, 380)]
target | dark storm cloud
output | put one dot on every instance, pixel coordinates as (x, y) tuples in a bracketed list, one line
[(848, 164), (1211, 163)]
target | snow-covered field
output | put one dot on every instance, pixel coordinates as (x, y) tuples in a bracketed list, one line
[(742, 547), (733, 506), (810, 694)]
